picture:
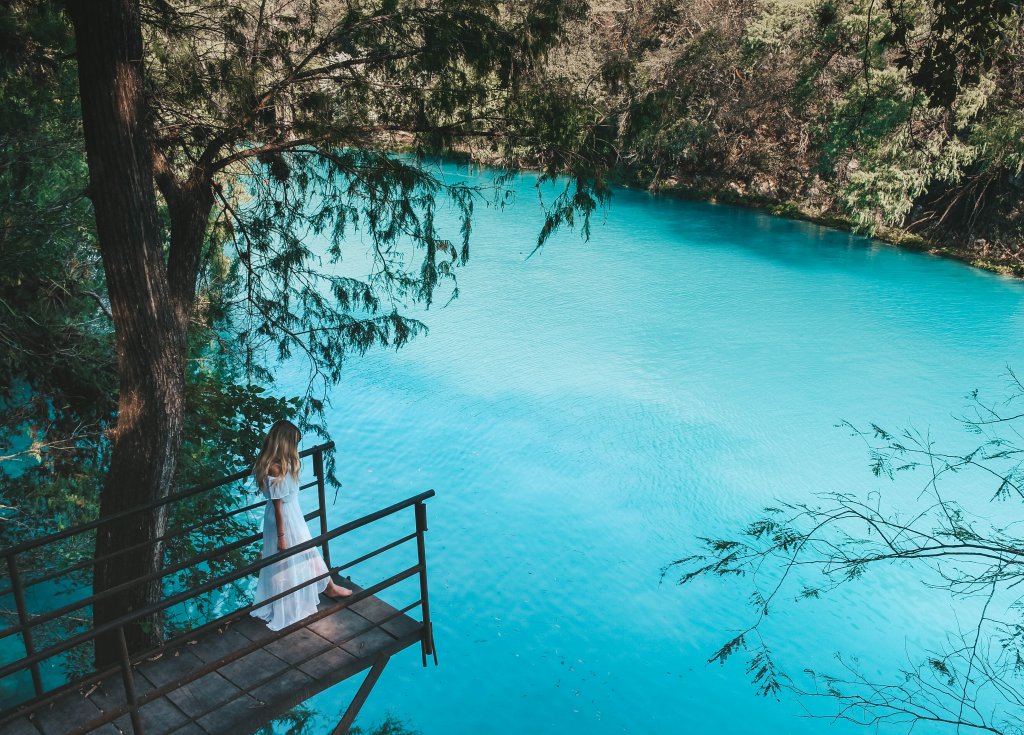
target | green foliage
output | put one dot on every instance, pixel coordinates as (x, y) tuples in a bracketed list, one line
[(57, 382), (899, 115), (290, 115), (1000, 141), (287, 116), (226, 423), (765, 675), (960, 42), (781, 24)]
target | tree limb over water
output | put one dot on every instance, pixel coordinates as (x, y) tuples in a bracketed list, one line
[(971, 680)]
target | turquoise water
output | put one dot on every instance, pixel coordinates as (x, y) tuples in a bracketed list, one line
[(585, 413)]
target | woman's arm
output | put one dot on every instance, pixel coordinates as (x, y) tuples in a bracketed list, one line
[(282, 542)]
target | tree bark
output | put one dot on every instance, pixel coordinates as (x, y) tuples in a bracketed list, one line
[(150, 331)]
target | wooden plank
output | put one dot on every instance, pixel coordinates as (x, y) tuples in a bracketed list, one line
[(196, 697), (301, 644), (252, 669), (217, 644), (20, 726), (248, 671), (225, 718), (284, 686), (169, 667), (70, 710), (245, 693), (369, 644), (253, 629), (290, 698), (189, 728), (375, 609), (158, 717), (329, 663), (340, 626)]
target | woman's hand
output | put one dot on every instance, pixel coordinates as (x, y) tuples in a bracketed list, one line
[(282, 544)]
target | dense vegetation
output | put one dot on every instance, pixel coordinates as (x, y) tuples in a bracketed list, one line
[(904, 120)]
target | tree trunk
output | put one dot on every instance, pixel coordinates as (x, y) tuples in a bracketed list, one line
[(150, 324)]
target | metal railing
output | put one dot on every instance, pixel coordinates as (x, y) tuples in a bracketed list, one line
[(26, 622)]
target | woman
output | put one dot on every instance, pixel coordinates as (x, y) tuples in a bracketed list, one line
[(277, 476)]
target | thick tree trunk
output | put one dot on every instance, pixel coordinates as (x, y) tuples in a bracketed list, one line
[(150, 324)]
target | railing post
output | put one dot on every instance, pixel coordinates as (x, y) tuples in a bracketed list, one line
[(129, 683), (318, 469), (427, 641), (26, 631)]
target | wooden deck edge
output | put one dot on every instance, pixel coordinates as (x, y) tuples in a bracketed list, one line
[(262, 715)]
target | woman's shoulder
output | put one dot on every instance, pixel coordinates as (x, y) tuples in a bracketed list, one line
[(279, 476), (275, 470), (276, 482), (279, 473)]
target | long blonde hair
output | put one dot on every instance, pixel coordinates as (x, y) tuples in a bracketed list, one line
[(281, 447)]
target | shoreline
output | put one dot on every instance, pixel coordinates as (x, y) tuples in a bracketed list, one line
[(789, 209), (892, 236)]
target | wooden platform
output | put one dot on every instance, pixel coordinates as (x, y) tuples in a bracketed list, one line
[(239, 696)]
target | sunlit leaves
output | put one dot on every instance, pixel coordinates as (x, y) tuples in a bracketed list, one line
[(894, 117), (954, 48)]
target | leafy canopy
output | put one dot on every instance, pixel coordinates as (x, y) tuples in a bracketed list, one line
[(292, 111)]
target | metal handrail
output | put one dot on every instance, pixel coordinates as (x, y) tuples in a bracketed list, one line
[(173, 534), (151, 577), (95, 677), (128, 661), (212, 584), (17, 587), (173, 497), (134, 547), (197, 673), (135, 700)]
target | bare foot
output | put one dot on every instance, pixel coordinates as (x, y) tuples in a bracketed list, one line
[(336, 592)]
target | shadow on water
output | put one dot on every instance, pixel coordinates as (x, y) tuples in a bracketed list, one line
[(304, 720), (805, 246)]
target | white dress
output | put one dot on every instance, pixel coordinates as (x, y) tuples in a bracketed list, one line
[(292, 571)]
